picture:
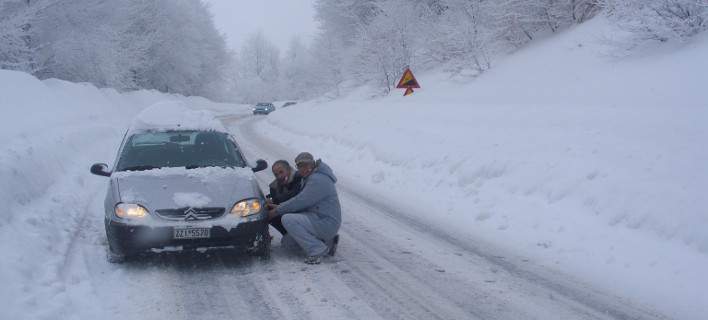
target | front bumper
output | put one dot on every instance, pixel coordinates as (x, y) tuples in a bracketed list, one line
[(131, 239)]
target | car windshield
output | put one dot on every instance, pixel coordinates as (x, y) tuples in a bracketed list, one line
[(263, 105), (190, 149)]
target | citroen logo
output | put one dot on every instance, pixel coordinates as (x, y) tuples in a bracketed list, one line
[(190, 214)]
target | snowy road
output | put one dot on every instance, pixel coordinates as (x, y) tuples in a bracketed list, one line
[(389, 266)]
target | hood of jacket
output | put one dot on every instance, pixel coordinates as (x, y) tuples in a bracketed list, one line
[(324, 169)]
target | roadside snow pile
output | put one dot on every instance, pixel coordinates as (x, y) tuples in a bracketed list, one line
[(593, 165), (52, 132)]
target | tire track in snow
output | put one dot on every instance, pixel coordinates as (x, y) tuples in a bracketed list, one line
[(237, 280), (394, 296), (468, 284), (553, 289)]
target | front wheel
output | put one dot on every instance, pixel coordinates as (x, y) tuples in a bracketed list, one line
[(261, 246), (115, 257)]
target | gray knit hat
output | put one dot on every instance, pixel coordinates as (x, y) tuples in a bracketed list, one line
[(304, 157)]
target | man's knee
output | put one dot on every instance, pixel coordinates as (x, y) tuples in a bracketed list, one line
[(289, 220)]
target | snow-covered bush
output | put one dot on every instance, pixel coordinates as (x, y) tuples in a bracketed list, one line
[(659, 20)]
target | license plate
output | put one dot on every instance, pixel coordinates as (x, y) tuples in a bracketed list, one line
[(191, 233)]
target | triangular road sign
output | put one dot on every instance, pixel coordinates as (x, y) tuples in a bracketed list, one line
[(408, 81)]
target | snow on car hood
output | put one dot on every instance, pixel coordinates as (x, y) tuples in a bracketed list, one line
[(171, 188)]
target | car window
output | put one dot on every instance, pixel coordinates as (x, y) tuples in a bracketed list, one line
[(191, 149)]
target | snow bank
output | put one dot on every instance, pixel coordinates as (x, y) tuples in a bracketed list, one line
[(52, 132), (593, 165)]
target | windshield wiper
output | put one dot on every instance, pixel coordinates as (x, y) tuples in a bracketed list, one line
[(194, 166), (140, 168)]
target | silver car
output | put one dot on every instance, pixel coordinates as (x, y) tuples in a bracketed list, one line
[(175, 189)]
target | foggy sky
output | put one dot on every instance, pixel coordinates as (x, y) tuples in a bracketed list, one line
[(280, 20)]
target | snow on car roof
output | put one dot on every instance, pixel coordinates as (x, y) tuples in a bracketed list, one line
[(175, 115)]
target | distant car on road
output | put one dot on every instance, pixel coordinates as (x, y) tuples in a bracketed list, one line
[(182, 184), (263, 108), (289, 103)]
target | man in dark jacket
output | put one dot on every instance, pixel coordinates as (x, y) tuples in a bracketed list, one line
[(285, 186), (312, 218)]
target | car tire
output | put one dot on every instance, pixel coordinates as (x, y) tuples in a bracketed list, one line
[(262, 250), (116, 257)]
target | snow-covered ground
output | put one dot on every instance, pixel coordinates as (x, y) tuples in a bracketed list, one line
[(459, 201), (586, 162)]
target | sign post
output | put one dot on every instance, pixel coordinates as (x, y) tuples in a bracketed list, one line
[(408, 82)]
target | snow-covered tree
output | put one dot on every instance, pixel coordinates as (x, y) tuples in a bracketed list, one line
[(18, 48), (343, 19), (295, 75), (80, 42), (387, 44), (168, 45), (327, 70), (257, 76), (660, 20), (178, 48), (260, 58), (582, 10), (460, 35)]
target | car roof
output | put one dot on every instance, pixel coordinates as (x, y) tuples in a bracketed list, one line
[(174, 116)]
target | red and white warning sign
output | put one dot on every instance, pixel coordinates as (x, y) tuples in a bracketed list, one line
[(408, 82)]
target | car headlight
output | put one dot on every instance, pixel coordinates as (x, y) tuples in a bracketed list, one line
[(130, 211), (247, 207)]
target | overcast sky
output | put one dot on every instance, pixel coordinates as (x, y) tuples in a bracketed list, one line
[(280, 20)]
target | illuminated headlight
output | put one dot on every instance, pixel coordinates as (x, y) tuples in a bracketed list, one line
[(246, 207), (130, 211)]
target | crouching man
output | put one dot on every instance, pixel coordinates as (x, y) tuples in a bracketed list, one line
[(286, 185), (312, 218)]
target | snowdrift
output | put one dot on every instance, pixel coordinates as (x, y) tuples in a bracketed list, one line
[(589, 163)]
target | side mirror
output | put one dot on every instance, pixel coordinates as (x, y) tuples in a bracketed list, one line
[(260, 165), (100, 169)]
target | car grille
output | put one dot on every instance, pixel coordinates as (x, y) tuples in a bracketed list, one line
[(191, 214)]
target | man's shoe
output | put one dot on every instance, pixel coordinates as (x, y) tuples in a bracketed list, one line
[(313, 260), (333, 246)]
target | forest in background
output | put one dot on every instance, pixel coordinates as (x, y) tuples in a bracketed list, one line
[(173, 46)]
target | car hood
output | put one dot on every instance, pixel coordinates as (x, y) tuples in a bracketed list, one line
[(171, 188)]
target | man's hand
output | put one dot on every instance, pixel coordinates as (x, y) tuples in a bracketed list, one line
[(271, 210)]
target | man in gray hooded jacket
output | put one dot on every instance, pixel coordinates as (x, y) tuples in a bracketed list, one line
[(313, 217)]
